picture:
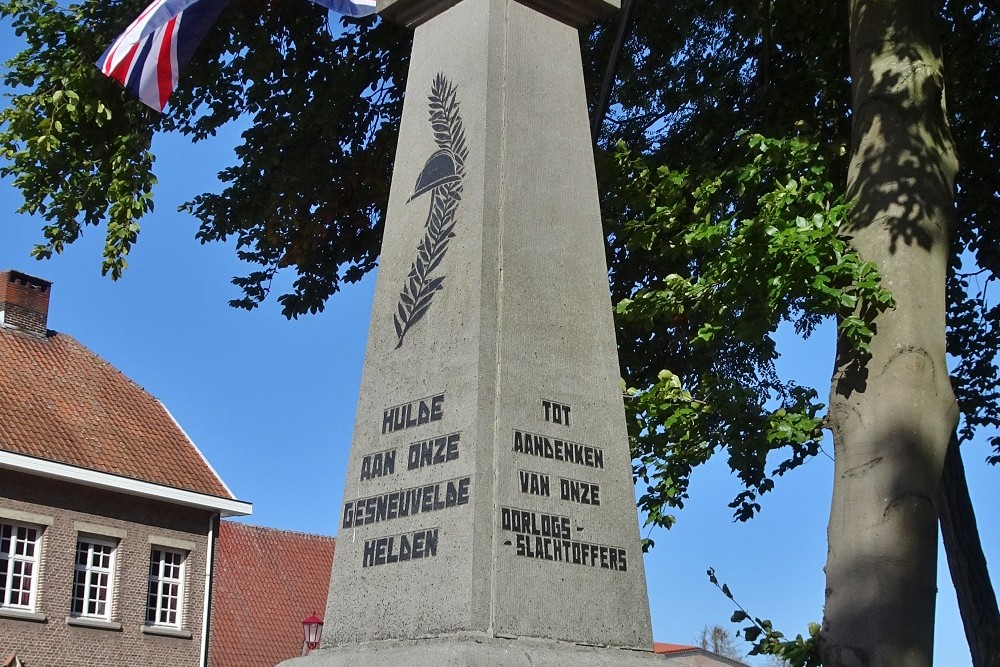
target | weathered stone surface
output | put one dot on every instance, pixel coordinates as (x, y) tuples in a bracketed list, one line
[(476, 652), (577, 13), (412, 13), (489, 494)]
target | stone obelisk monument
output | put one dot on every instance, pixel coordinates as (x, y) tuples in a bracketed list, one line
[(489, 514)]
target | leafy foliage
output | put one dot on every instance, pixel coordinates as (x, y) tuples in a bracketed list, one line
[(972, 45), (695, 73), (310, 187), (741, 272), (798, 652), (717, 237), (78, 157), (778, 70)]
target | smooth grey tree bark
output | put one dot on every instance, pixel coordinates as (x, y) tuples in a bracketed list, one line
[(892, 412), (977, 600)]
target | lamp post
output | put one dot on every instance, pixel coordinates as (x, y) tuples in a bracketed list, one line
[(312, 632)]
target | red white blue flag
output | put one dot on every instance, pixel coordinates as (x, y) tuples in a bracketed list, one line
[(148, 56), (349, 7)]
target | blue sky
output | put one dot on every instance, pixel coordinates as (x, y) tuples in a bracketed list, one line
[(271, 402)]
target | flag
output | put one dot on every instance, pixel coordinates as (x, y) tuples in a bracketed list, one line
[(349, 7), (148, 56)]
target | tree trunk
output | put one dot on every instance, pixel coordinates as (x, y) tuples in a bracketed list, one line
[(892, 413), (977, 601)]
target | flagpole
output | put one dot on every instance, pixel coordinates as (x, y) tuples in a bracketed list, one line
[(604, 99)]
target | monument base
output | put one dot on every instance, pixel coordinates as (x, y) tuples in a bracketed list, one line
[(474, 652)]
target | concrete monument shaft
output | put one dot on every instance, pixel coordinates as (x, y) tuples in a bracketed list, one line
[(576, 13), (489, 509)]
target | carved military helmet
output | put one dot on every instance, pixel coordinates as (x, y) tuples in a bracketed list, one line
[(439, 170)]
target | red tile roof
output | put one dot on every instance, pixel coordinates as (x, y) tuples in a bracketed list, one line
[(266, 582), (663, 647), (702, 656), (61, 402)]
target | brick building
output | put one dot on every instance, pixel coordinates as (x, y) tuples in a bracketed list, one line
[(109, 514), (267, 582)]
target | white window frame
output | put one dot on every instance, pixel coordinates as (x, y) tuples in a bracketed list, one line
[(159, 593), (18, 562), (88, 575)]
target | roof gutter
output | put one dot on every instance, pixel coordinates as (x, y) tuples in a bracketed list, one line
[(127, 485), (213, 526)]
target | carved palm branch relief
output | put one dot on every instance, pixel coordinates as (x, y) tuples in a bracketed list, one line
[(442, 176)]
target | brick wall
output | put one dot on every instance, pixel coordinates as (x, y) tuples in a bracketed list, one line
[(24, 301), (56, 643)]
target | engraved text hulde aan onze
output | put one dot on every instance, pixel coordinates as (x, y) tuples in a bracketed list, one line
[(417, 544)]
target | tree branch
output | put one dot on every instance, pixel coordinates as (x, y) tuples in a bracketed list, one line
[(969, 572)]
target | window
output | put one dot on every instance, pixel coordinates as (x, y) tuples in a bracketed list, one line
[(93, 578), (18, 566), (166, 588)]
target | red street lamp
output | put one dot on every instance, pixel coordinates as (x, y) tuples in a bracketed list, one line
[(312, 631)]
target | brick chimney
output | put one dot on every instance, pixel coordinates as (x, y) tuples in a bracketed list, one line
[(24, 302)]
